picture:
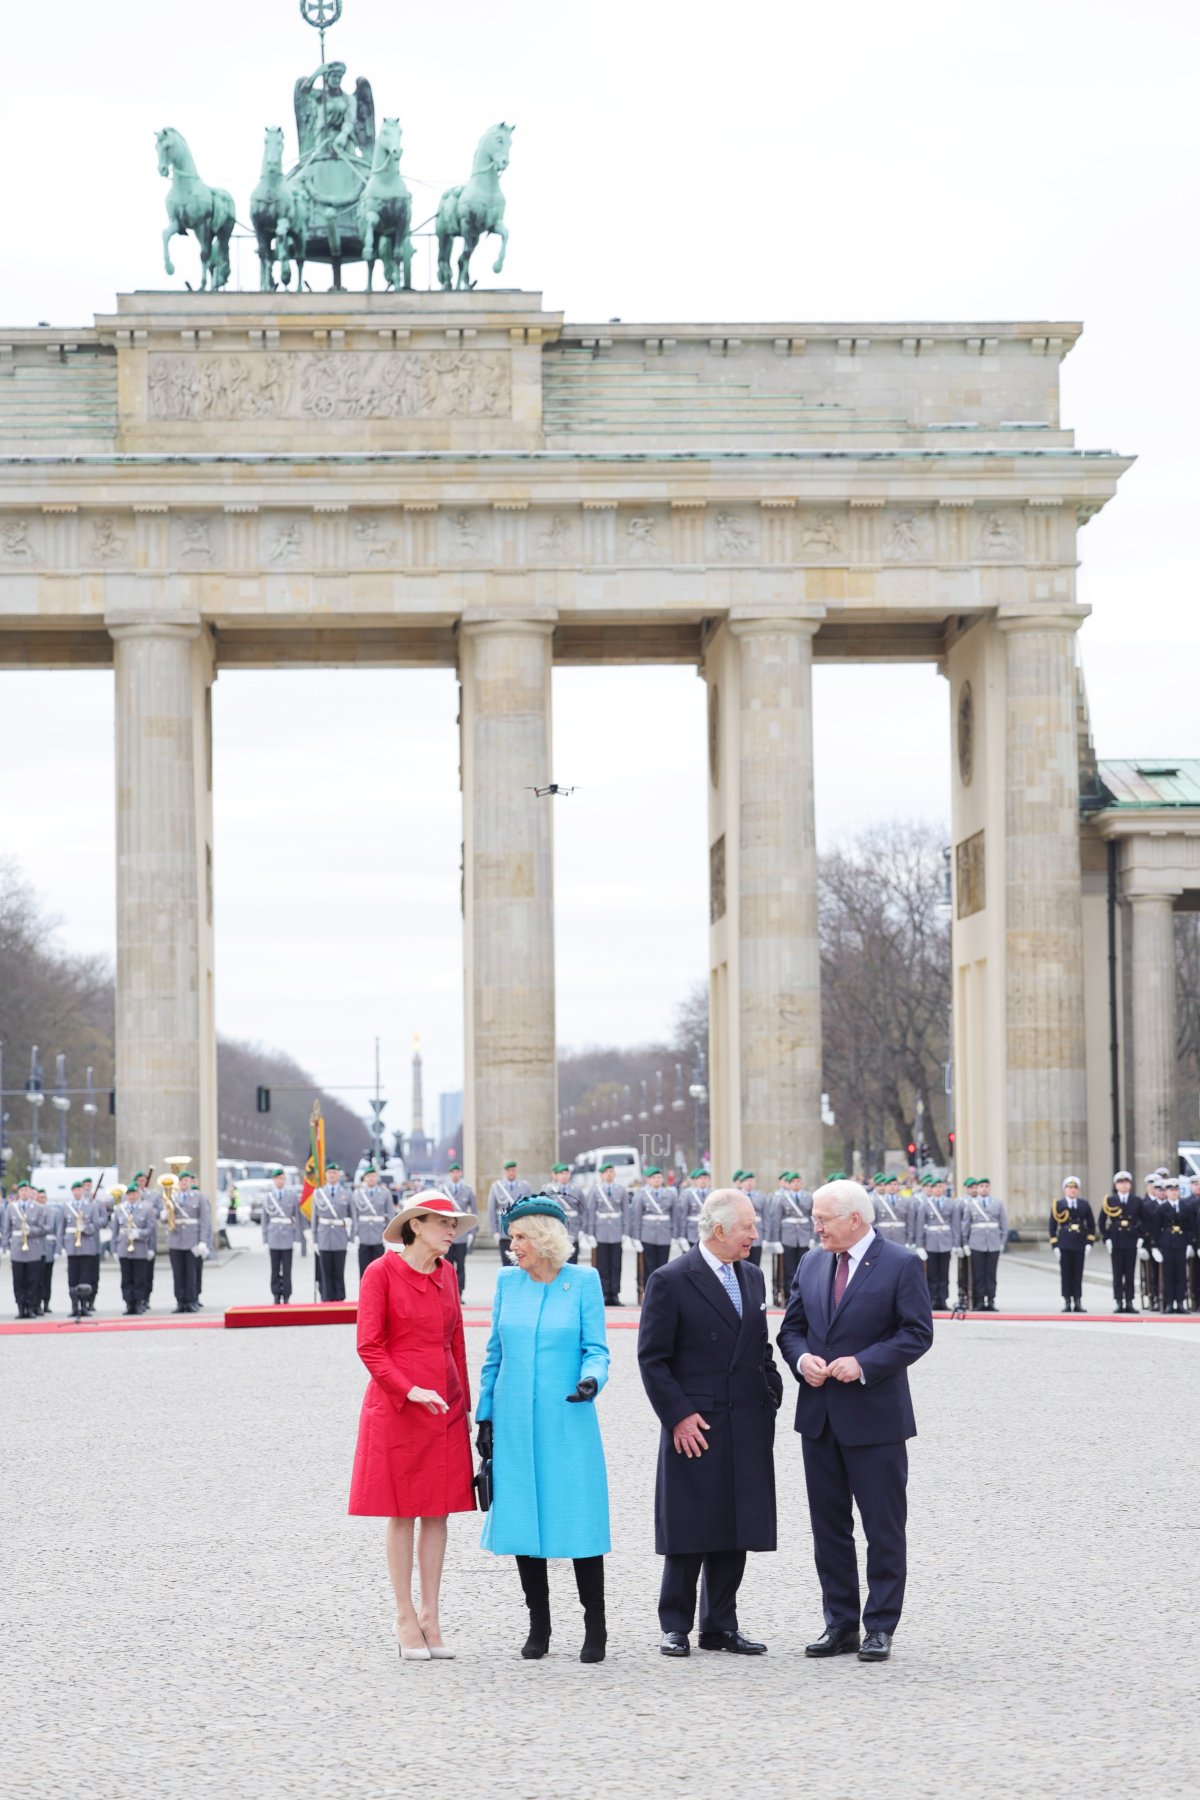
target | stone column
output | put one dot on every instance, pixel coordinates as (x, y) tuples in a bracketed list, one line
[(1046, 1107), (778, 954), (165, 1046), (1152, 989), (510, 1101)]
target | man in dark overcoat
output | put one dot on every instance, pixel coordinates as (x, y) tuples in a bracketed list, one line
[(707, 1366)]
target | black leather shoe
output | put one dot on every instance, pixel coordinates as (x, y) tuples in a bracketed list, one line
[(839, 1640), (733, 1641), (675, 1643), (876, 1647)]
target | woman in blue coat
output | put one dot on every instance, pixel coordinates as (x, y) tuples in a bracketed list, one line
[(546, 1361)]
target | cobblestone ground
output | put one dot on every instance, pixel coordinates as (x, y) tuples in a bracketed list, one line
[(188, 1611)]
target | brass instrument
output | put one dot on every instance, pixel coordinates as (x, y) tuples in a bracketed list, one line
[(78, 1227), (24, 1228), (167, 1184)]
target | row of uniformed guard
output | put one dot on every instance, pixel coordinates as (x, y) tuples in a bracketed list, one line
[(35, 1232)]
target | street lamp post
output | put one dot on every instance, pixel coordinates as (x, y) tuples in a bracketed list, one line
[(61, 1102), (89, 1113), (699, 1094), (35, 1096)]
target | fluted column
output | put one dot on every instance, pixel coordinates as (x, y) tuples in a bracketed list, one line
[(778, 953), (1044, 1027), (165, 1045), (1152, 988), (510, 1101)]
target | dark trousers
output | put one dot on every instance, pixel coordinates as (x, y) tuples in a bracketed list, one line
[(47, 1283), (367, 1254), (183, 1272), (1194, 1281), (607, 1258), (589, 1584), (84, 1271), (333, 1274), (457, 1255), (151, 1260), (135, 1281), (27, 1286), (875, 1477), (1070, 1270), (937, 1274), (1174, 1276), (281, 1274), (964, 1280), (756, 1258), (1150, 1270), (984, 1264), (719, 1575), (792, 1255), (1124, 1267), (505, 1247)]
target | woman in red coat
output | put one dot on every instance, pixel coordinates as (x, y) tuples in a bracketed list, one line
[(413, 1459)]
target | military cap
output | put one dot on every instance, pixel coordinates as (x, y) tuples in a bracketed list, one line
[(747, 1175), (561, 1169), (983, 1181), (1123, 1175), (455, 1165), (76, 1184), (334, 1164), (737, 1174), (838, 1175), (881, 1178), (1170, 1182), (275, 1171), (652, 1170), (137, 1175), (969, 1182), (695, 1174), (606, 1165), (511, 1163), (537, 1206)]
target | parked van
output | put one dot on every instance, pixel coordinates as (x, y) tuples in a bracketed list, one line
[(627, 1166), (57, 1181)]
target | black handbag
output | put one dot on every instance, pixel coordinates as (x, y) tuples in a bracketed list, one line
[(483, 1484)]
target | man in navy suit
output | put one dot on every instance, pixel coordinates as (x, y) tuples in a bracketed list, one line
[(858, 1315), (706, 1364)]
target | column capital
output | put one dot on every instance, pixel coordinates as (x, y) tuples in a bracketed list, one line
[(487, 624), (1047, 621), (144, 625), (802, 624)]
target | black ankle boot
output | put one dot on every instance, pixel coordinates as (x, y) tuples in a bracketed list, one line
[(535, 1584), (589, 1579)]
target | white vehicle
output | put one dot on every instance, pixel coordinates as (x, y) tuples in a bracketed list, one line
[(1189, 1168), (627, 1166), (393, 1169), (57, 1181), (249, 1181)]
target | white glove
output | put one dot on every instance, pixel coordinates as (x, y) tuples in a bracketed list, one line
[(1108, 1245), (966, 1250), (1143, 1253), (586, 1242), (1057, 1254), (637, 1246), (681, 1244), (1087, 1250), (772, 1249), (1157, 1255), (1190, 1252), (347, 1223), (200, 1250), (956, 1254), (627, 1243), (923, 1254)]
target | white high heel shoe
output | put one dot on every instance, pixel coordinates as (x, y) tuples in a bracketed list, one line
[(421, 1654), (440, 1653)]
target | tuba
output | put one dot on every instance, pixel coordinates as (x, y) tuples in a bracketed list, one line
[(167, 1184)]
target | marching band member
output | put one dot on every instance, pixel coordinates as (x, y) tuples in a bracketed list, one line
[(135, 1233), (52, 1246), (22, 1228), (189, 1237), (82, 1221)]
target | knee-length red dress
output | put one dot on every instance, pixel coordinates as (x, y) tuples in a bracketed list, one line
[(411, 1463)]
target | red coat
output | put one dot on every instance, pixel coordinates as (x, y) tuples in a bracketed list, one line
[(411, 1463)]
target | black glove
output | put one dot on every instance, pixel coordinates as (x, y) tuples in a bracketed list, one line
[(483, 1437), (587, 1389)]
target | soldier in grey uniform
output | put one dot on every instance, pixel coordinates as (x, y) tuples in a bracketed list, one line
[(283, 1228), (744, 1179), (135, 1232), (189, 1242), (567, 1194), (371, 1208), (463, 1196), (606, 1223), (52, 1246), (688, 1204), (209, 1213), (333, 1228), (501, 1196), (83, 1218), (933, 1234), (984, 1228), (651, 1226), (891, 1221), (22, 1228), (792, 1225)]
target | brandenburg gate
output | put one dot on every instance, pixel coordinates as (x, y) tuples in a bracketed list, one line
[(198, 482)]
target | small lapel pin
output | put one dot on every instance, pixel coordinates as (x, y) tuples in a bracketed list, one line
[(762, 1306)]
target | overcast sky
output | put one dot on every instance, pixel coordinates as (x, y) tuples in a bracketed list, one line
[(926, 161)]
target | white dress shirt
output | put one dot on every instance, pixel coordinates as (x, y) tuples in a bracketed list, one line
[(856, 1253)]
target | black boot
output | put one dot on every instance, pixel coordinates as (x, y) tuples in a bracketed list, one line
[(536, 1584), (589, 1579)]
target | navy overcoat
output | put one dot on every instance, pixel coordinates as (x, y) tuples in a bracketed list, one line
[(696, 1355)]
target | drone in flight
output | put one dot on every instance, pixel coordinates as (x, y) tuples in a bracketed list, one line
[(553, 790)]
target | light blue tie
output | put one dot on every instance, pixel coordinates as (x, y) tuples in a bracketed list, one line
[(730, 1284)]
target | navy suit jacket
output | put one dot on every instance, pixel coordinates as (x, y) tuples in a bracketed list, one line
[(884, 1320)]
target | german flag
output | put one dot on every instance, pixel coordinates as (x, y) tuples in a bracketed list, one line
[(314, 1168)]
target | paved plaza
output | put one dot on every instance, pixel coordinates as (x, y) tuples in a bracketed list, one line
[(189, 1611)]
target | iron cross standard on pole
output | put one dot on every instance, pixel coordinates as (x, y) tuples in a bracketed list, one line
[(321, 14)]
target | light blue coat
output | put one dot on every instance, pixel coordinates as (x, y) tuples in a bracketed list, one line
[(551, 1490)]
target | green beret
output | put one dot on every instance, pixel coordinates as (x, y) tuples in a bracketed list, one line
[(969, 1182), (511, 1163), (881, 1177), (561, 1169), (137, 1174), (838, 1175), (983, 1181), (746, 1175), (536, 1206), (76, 1184), (455, 1165), (605, 1165), (331, 1164), (652, 1171), (785, 1174), (697, 1174)]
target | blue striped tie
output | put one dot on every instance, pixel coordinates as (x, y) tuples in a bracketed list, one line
[(730, 1283)]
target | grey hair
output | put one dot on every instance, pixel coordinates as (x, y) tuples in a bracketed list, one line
[(548, 1237), (721, 1207), (846, 1197)]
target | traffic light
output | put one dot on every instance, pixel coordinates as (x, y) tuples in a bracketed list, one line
[(950, 1137), (262, 1100), (912, 1151)]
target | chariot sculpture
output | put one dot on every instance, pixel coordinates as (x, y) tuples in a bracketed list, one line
[(344, 200)]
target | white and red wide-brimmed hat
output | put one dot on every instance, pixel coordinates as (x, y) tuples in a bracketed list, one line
[(434, 1202)]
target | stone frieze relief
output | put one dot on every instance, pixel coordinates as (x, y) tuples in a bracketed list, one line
[(243, 387)]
